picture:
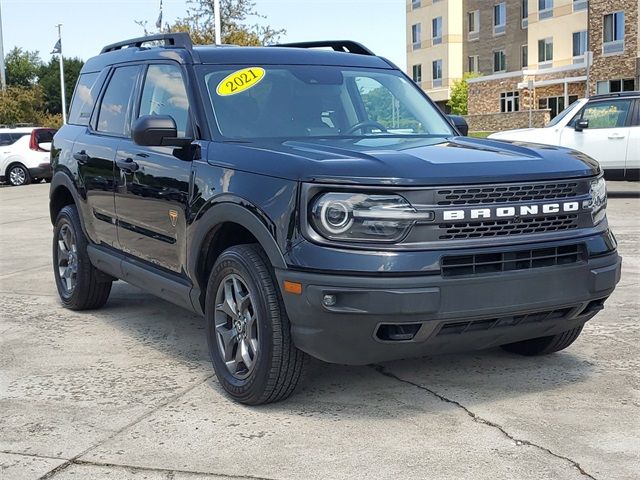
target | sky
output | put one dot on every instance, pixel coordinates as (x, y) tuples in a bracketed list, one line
[(88, 25)]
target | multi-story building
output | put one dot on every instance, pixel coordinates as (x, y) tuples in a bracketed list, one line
[(533, 55)]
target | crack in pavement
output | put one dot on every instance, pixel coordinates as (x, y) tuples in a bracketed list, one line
[(32, 455), (76, 458), (169, 471), (478, 419)]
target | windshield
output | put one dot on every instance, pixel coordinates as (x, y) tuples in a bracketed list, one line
[(318, 101), (562, 114)]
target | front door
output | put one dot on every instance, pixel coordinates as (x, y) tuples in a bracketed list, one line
[(607, 136), (153, 183)]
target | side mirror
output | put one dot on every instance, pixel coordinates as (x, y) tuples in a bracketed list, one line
[(581, 124), (460, 123), (157, 131)]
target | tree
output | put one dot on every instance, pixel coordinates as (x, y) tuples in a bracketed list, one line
[(22, 67), (49, 81), (200, 24), (460, 94)]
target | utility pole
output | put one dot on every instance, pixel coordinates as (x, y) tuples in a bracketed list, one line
[(62, 93), (217, 27), (3, 77)]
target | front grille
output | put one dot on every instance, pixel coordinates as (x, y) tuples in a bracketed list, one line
[(481, 263), (499, 228), (460, 328), (502, 194)]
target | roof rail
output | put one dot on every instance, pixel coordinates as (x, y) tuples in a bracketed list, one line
[(178, 39), (615, 94), (347, 46)]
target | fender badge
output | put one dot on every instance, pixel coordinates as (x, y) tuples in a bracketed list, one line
[(173, 216)]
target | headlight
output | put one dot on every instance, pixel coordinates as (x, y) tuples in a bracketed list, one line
[(359, 217), (598, 202)]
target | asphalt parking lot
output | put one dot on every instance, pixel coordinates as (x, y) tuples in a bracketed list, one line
[(128, 391)]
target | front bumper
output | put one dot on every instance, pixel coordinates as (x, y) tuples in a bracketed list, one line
[(445, 314), (43, 171)]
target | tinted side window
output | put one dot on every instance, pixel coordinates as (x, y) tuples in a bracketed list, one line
[(607, 114), (115, 104), (164, 93), (6, 139), (84, 98)]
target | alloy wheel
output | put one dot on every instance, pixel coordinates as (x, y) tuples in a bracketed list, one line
[(67, 258), (17, 176), (236, 326)]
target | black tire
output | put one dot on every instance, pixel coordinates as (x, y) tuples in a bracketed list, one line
[(18, 175), (91, 287), (544, 345), (278, 365)]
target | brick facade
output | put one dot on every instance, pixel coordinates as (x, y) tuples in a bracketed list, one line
[(495, 122), (617, 65)]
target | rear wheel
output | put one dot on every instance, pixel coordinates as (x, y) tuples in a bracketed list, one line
[(18, 174), (248, 331), (544, 345), (80, 285)]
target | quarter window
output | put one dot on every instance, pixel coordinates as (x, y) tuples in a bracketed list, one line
[(164, 93), (116, 102), (83, 99)]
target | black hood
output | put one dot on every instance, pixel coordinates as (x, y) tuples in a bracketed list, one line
[(403, 161)]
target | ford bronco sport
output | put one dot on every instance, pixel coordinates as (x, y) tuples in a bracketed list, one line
[(316, 202)]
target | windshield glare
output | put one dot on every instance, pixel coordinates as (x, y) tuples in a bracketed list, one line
[(319, 101)]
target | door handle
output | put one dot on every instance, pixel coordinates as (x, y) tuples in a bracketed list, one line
[(81, 157), (128, 165), (616, 137)]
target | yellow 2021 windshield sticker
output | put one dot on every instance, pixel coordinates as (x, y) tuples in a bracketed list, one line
[(240, 81)]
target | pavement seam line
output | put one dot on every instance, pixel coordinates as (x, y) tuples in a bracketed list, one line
[(478, 419), (32, 455), (138, 419), (167, 470)]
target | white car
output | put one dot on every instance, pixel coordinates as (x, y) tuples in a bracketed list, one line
[(24, 154), (605, 127)]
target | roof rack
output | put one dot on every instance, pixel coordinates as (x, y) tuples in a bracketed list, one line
[(178, 39), (347, 46), (615, 94)]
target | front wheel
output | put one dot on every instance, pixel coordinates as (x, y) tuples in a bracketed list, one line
[(544, 345), (248, 331)]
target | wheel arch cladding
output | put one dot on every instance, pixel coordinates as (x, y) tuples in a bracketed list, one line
[(61, 194), (222, 226)]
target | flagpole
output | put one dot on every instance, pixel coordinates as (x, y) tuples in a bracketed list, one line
[(216, 14), (62, 93), (3, 78)]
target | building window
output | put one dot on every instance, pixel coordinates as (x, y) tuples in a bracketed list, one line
[(545, 9), (580, 43), (417, 73), (436, 69), (617, 85), (499, 61), (555, 104), (474, 24), (416, 36), (415, 4), (473, 63), (524, 13), (499, 18), (545, 52), (613, 33), (580, 5), (524, 56), (509, 102), (436, 30)]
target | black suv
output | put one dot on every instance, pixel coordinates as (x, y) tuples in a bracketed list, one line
[(309, 201)]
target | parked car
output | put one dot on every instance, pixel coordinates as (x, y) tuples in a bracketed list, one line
[(605, 127), (24, 154), (274, 191)]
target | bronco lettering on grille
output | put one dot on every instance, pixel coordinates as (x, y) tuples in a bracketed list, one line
[(511, 212)]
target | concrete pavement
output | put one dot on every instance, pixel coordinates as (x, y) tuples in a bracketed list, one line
[(128, 392)]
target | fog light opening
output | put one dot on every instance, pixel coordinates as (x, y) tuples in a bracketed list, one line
[(397, 332)]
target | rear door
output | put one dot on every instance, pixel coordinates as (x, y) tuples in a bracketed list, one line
[(153, 190), (95, 150), (607, 137)]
